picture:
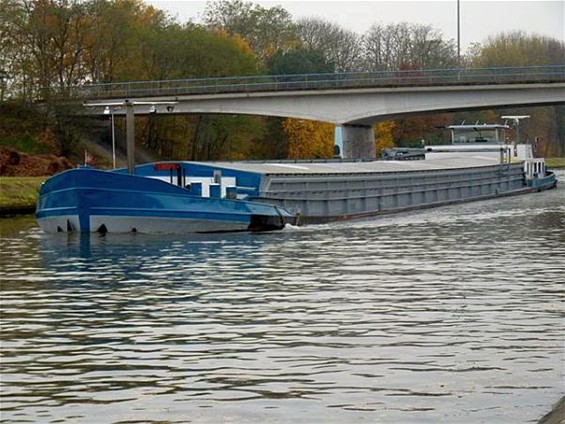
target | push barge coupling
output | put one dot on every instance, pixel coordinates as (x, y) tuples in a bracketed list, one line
[(185, 197)]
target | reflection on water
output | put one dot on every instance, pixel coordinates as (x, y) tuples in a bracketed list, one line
[(447, 315)]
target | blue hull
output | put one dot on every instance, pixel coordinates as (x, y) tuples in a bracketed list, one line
[(547, 182), (89, 200)]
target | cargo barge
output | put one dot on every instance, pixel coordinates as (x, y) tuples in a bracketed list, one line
[(185, 197)]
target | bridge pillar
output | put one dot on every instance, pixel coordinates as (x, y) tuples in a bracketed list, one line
[(358, 142)]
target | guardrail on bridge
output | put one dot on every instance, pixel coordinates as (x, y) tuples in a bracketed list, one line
[(325, 81)]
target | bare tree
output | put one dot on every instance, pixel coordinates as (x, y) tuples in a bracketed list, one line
[(341, 47), (9, 47), (396, 45)]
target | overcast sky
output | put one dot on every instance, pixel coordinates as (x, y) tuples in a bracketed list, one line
[(479, 19)]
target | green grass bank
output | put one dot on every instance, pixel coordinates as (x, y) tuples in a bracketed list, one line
[(555, 162), (19, 194)]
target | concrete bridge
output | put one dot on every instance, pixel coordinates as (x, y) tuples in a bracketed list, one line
[(354, 101)]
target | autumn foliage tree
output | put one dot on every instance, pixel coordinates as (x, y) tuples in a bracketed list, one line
[(48, 48), (266, 30), (384, 136), (546, 124), (518, 48), (309, 139)]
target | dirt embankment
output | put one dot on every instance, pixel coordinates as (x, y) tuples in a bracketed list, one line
[(17, 164)]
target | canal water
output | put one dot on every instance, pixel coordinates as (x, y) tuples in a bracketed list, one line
[(453, 314)]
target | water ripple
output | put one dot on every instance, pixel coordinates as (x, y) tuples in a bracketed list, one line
[(447, 315)]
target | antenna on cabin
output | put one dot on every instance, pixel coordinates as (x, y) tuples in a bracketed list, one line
[(516, 119)]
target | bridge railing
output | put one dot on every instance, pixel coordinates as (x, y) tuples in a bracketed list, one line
[(325, 81)]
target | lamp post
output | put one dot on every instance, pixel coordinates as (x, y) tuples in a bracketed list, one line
[(110, 108), (110, 111), (458, 34)]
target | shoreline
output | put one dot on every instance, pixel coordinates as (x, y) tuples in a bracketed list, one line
[(10, 211), (556, 415)]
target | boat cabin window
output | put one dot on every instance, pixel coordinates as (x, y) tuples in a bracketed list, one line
[(463, 134)]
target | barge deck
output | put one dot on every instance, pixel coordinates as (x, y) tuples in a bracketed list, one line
[(329, 190)]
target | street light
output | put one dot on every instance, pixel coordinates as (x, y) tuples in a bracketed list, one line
[(458, 34), (110, 111), (130, 124)]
